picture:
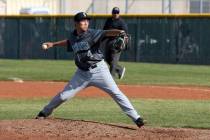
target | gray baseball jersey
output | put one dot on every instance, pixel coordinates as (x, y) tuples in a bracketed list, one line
[(86, 48)]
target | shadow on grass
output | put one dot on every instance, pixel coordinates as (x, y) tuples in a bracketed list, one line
[(101, 123)]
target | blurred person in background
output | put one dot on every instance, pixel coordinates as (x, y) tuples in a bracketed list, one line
[(112, 55)]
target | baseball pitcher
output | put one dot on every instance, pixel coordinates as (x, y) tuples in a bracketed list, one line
[(92, 70)]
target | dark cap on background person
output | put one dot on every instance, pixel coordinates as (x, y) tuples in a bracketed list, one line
[(115, 10), (81, 16)]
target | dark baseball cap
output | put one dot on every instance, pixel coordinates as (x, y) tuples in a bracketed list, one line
[(80, 16), (115, 10)]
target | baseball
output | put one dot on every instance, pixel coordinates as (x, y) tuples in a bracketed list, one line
[(44, 46)]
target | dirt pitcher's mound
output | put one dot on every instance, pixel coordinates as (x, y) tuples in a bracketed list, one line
[(54, 129)]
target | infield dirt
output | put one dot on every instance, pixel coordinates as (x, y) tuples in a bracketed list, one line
[(60, 129)]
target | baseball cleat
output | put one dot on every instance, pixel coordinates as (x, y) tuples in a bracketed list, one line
[(41, 115), (139, 122), (122, 74)]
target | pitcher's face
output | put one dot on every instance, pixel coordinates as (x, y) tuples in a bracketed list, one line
[(82, 25)]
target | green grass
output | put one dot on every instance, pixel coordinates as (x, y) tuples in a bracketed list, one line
[(158, 113), (40, 70), (137, 73)]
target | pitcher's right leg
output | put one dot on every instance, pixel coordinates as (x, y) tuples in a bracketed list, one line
[(77, 83)]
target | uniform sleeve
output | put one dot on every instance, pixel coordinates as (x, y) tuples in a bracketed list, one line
[(98, 35), (69, 47), (106, 25)]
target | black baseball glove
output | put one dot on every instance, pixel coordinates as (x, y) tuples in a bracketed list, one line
[(120, 42)]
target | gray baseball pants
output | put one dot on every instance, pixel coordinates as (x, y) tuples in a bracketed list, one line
[(99, 77)]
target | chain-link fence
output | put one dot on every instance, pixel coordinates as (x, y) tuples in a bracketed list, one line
[(152, 6), (8, 7)]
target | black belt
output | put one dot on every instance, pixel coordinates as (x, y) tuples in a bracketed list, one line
[(91, 67)]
